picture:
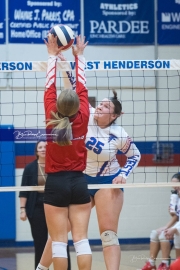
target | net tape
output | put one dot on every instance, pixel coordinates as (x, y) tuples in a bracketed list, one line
[(97, 186)]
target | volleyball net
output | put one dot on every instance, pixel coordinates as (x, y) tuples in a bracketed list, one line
[(150, 96)]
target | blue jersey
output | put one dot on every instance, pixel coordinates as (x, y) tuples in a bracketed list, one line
[(103, 145)]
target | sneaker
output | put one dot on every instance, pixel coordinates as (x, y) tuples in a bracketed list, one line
[(148, 266), (163, 266)]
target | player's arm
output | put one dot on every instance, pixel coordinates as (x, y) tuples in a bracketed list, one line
[(169, 233), (81, 89), (50, 95), (70, 81), (174, 219), (133, 155), (171, 223), (68, 78), (23, 195)]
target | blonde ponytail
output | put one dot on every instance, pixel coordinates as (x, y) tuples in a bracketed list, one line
[(62, 131)]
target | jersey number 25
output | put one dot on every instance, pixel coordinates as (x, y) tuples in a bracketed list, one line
[(94, 145)]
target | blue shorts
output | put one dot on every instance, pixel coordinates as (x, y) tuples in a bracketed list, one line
[(99, 180)]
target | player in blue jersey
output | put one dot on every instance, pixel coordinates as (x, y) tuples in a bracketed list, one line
[(104, 139)]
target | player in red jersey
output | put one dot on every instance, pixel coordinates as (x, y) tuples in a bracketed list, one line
[(66, 194)]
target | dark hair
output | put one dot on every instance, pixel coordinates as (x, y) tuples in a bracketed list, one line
[(117, 106), (36, 146), (177, 176), (117, 103)]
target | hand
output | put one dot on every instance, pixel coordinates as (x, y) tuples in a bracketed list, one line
[(52, 45), (119, 180), (169, 233), (161, 229), (78, 49), (23, 216)]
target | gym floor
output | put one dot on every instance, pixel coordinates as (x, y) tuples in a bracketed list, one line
[(133, 257)]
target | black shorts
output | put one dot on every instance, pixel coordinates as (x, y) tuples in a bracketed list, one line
[(65, 188)]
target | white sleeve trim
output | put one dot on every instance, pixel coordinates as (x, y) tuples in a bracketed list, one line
[(51, 71), (81, 69)]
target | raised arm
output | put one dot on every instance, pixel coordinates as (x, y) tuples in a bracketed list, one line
[(81, 89), (80, 65), (50, 95), (68, 79)]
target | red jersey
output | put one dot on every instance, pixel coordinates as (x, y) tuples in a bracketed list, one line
[(71, 157)]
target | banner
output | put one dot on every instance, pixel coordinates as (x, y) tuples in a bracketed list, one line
[(168, 22), (119, 22), (2, 23), (30, 21), (92, 65)]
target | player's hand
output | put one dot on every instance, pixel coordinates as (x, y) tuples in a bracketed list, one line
[(52, 45), (78, 49), (23, 215), (169, 233), (161, 229), (119, 180)]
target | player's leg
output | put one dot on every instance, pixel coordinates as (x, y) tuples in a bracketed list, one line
[(154, 250), (177, 252), (108, 211), (79, 219), (57, 220), (79, 214), (165, 249), (46, 258), (177, 245)]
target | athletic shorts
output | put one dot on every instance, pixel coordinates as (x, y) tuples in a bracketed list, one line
[(65, 188), (100, 180)]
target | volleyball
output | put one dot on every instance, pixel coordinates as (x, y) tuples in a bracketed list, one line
[(65, 35)]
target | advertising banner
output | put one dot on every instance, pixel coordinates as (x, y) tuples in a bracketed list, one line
[(119, 22), (98, 65), (30, 20), (2, 23), (168, 22)]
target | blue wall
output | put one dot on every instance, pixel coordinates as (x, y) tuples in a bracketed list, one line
[(7, 199)]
